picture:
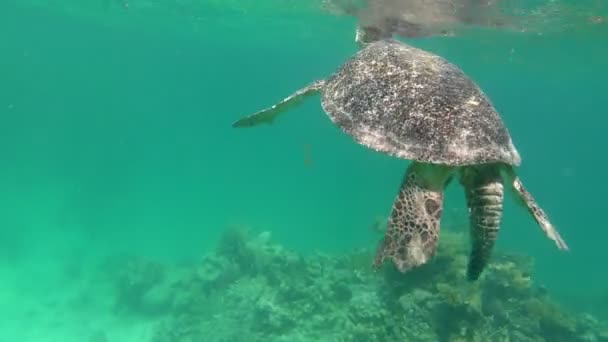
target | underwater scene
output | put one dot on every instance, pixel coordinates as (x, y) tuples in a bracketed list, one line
[(439, 176)]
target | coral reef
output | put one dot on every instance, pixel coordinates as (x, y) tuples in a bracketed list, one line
[(251, 289)]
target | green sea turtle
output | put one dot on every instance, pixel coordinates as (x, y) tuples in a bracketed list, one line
[(412, 104)]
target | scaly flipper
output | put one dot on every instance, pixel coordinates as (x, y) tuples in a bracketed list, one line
[(412, 232), (526, 200), (269, 114), (484, 195)]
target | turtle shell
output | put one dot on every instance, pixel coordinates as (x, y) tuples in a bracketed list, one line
[(412, 104)]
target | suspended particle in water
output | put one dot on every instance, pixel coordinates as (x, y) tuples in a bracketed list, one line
[(108, 4), (511, 55), (307, 155), (597, 19)]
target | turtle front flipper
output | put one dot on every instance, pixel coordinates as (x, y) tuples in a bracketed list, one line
[(269, 114), (525, 199), (484, 196), (410, 239)]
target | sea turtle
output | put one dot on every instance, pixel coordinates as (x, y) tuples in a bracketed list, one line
[(412, 104)]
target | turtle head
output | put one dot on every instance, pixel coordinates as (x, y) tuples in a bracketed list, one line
[(387, 27), (368, 34)]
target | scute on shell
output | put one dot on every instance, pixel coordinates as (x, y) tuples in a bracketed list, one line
[(412, 104)]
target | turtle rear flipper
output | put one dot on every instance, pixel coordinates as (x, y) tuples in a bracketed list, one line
[(525, 199), (410, 239), (484, 197), (269, 114)]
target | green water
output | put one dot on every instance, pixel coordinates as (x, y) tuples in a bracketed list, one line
[(115, 137)]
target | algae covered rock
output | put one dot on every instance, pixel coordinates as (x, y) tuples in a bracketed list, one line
[(252, 289), (140, 285)]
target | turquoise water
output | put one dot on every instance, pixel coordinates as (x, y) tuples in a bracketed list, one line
[(115, 138)]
